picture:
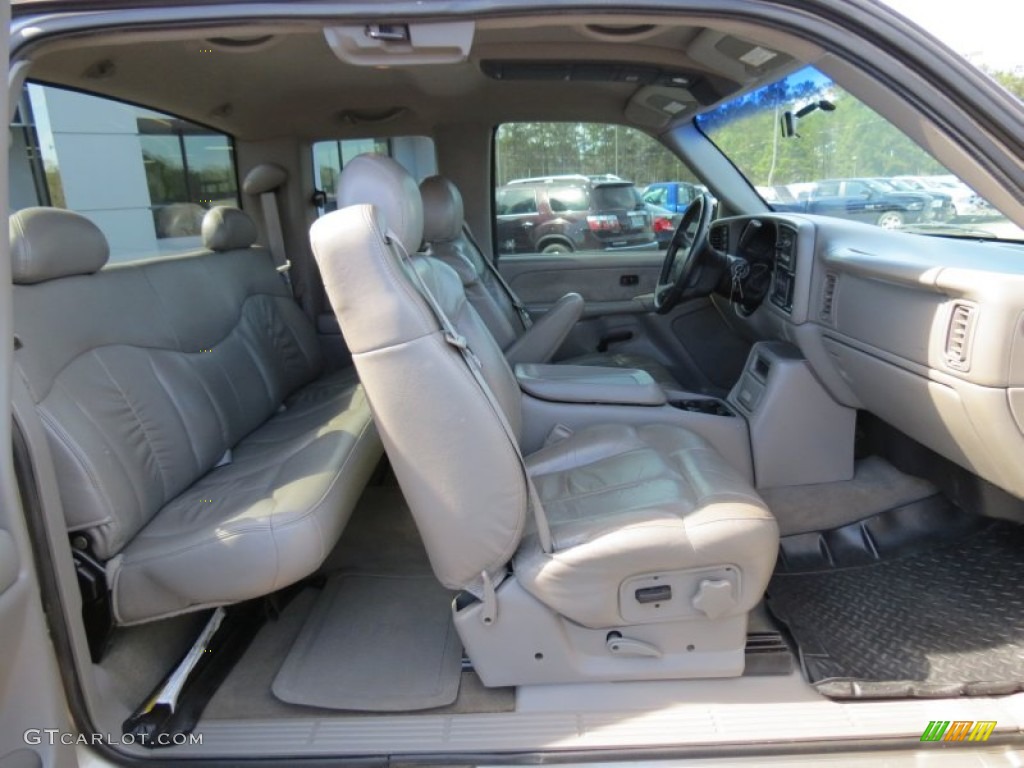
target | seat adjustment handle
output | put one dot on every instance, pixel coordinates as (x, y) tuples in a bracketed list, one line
[(618, 645), (658, 594)]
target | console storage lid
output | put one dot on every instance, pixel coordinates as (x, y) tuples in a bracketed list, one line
[(589, 384)]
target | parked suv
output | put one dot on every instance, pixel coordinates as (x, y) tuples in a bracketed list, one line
[(560, 214)]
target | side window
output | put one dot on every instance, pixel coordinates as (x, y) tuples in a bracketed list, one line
[(827, 189), (144, 177), (415, 153), (656, 196), (592, 182), (562, 199), (514, 201), (857, 189)]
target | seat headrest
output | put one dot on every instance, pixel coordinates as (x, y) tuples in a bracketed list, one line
[(380, 181), (227, 229), (442, 210), (47, 243), (264, 177)]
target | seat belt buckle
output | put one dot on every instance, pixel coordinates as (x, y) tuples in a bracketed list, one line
[(284, 271)]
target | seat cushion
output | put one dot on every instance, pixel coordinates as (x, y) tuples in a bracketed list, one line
[(658, 371), (623, 501), (260, 522)]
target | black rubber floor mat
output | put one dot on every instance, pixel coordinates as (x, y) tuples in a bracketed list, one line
[(943, 622)]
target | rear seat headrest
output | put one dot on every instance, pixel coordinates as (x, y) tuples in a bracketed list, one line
[(442, 210), (227, 229), (380, 181), (264, 177), (47, 243)]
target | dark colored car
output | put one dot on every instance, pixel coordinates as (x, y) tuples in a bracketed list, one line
[(560, 214), (941, 207), (869, 201), (674, 196)]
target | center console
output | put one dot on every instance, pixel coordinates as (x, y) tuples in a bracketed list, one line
[(560, 398), (798, 434)]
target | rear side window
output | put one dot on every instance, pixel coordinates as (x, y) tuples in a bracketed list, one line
[(568, 199), (415, 153), (516, 202), (145, 178)]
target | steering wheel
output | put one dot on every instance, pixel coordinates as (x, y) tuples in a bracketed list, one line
[(682, 273)]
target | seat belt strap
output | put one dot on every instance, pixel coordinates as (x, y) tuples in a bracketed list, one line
[(524, 314), (458, 341), (275, 236)]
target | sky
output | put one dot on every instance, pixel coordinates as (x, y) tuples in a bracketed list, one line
[(986, 32)]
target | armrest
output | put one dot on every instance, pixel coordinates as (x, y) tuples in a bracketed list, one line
[(589, 384), (545, 336)]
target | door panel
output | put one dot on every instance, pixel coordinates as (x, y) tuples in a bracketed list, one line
[(693, 341), (607, 281)]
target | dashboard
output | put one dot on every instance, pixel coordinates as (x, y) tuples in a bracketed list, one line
[(927, 333)]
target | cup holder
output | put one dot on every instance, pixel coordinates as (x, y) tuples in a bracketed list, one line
[(707, 405)]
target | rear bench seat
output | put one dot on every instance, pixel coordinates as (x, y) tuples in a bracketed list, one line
[(198, 445)]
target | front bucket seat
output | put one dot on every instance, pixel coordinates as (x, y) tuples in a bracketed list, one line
[(620, 552), (522, 339)]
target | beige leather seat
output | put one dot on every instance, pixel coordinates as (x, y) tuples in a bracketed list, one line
[(658, 547), (199, 448), (522, 340)]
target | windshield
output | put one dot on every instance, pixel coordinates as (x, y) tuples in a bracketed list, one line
[(808, 146)]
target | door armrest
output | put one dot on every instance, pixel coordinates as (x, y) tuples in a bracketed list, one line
[(544, 337)]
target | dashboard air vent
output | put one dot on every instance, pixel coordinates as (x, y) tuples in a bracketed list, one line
[(828, 296), (958, 339), (718, 237)]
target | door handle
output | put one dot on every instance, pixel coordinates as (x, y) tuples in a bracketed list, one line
[(628, 280)]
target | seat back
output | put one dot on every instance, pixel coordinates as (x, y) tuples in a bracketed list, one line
[(444, 231), (144, 374), (460, 475)]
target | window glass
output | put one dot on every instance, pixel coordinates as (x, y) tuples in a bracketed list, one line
[(516, 202), (567, 187), (415, 153), (145, 178), (808, 146), (616, 196), (656, 196), (567, 199)]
